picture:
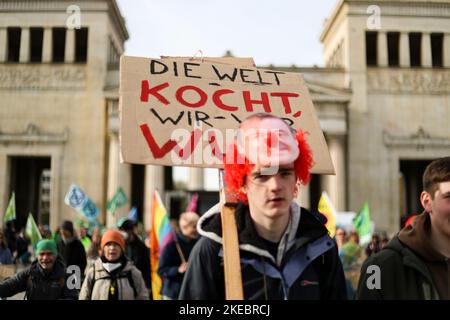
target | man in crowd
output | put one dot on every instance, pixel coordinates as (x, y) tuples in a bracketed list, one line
[(415, 264), (174, 257), (45, 279)]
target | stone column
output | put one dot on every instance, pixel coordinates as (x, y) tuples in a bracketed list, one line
[(112, 175), (195, 179), (4, 187), (56, 199), (69, 53), (24, 45), (334, 185), (446, 50), (382, 52), (404, 50), (3, 44), (303, 196), (47, 45), (426, 50), (154, 180), (119, 175)]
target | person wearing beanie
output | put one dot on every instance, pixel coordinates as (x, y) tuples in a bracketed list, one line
[(136, 250), (285, 250), (112, 276), (45, 279), (70, 247)]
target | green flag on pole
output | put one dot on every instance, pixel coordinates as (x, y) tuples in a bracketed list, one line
[(119, 199), (363, 224), (10, 213), (32, 231)]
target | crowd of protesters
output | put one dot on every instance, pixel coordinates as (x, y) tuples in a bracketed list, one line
[(286, 251)]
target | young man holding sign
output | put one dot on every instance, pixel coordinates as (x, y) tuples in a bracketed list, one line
[(285, 251)]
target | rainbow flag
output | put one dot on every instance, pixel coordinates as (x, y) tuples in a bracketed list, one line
[(161, 233), (326, 208)]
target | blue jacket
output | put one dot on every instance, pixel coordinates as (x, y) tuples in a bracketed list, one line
[(306, 265), (169, 261), (5, 256)]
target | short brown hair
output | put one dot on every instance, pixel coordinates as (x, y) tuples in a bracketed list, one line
[(436, 172)]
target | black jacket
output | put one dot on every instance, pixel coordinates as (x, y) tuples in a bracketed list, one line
[(307, 265), (38, 285), (138, 252), (73, 253), (169, 261), (408, 268)]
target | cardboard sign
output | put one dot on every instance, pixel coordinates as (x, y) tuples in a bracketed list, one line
[(7, 271), (185, 112)]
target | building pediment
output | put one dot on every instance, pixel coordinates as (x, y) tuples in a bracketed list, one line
[(325, 93), (420, 140), (34, 135)]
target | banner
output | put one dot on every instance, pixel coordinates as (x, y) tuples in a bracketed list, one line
[(10, 213), (32, 231), (363, 224), (161, 234), (192, 206), (185, 112), (326, 207), (118, 200), (78, 200), (133, 214)]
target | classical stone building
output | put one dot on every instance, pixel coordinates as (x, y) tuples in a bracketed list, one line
[(395, 60), (382, 100), (58, 93)]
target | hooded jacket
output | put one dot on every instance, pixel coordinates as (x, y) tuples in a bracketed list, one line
[(409, 266), (130, 283), (40, 285), (306, 265)]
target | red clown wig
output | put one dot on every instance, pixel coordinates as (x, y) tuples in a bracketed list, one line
[(235, 172)]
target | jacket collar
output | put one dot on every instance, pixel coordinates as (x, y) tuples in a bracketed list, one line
[(409, 258), (57, 271), (302, 228)]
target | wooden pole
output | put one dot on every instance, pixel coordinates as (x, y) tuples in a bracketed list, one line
[(230, 244)]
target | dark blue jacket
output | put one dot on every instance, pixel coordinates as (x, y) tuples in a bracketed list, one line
[(306, 266), (169, 261)]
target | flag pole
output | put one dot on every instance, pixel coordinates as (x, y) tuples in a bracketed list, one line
[(177, 245)]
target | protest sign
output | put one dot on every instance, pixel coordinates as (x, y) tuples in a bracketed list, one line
[(184, 112)]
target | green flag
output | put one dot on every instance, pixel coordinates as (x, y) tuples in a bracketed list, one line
[(10, 213), (119, 199), (363, 224), (32, 231)]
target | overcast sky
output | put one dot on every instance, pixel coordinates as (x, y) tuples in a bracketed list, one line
[(279, 32)]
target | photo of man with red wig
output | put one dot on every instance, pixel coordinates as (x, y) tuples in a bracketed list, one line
[(285, 250)]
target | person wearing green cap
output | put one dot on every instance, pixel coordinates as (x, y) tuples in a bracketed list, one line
[(45, 279)]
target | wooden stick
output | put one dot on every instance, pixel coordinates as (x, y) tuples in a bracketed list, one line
[(231, 257), (177, 245)]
